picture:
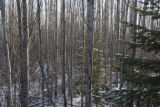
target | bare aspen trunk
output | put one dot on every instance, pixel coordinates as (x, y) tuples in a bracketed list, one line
[(98, 33), (71, 94), (46, 32), (117, 35), (71, 50), (90, 21), (19, 24), (134, 21), (122, 45), (6, 52), (111, 45), (105, 39), (40, 48), (56, 40), (19, 21), (24, 60), (83, 55), (125, 7), (143, 24), (134, 40), (152, 24), (64, 55)]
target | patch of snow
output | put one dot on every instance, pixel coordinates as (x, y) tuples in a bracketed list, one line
[(102, 92), (118, 54), (137, 71)]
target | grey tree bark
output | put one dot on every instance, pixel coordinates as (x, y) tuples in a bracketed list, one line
[(56, 44), (125, 6), (19, 24), (64, 55), (6, 52), (134, 20), (90, 21), (71, 54), (117, 35), (40, 48), (111, 46), (83, 55), (24, 59), (143, 24), (105, 31)]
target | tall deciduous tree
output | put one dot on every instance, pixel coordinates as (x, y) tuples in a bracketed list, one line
[(56, 45), (90, 21), (6, 51), (64, 54), (40, 48), (71, 52), (134, 20), (24, 59), (83, 54)]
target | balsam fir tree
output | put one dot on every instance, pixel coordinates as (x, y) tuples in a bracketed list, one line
[(143, 73)]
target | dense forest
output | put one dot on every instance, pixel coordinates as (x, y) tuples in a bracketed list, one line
[(80, 53)]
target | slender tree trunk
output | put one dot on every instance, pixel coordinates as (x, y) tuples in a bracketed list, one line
[(105, 39), (56, 40), (134, 40), (24, 60), (71, 50), (98, 47), (83, 55), (46, 33), (40, 48), (19, 24), (64, 55), (111, 46), (152, 24), (117, 34), (134, 21), (6, 51), (125, 13), (71, 94), (143, 24), (90, 21)]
